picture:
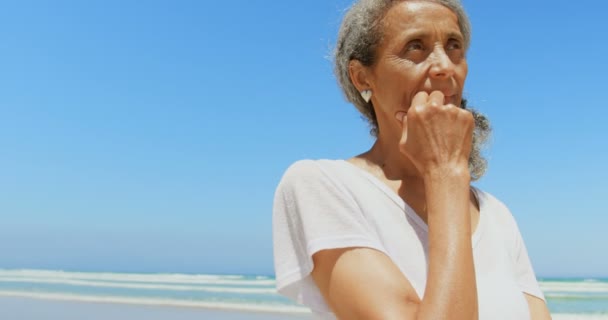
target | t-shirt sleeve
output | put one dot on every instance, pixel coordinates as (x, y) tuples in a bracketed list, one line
[(313, 211), (526, 278), (514, 243)]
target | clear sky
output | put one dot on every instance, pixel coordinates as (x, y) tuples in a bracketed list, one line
[(148, 136)]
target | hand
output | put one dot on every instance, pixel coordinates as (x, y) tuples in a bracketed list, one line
[(436, 136)]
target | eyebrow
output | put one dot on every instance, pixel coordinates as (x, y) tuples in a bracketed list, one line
[(421, 34), (455, 35)]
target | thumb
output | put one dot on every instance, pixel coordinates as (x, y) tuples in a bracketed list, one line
[(400, 116)]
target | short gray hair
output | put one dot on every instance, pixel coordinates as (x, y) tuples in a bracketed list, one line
[(359, 36)]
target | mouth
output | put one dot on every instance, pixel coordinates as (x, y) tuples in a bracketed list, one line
[(450, 99)]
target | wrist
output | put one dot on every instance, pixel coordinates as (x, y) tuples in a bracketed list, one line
[(445, 173)]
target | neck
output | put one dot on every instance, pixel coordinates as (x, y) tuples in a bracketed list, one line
[(386, 155), (385, 161)]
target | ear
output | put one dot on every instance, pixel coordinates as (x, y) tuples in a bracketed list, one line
[(360, 75)]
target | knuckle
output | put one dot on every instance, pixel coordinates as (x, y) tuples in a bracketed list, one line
[(467, 115), (467, 118), (434, 104)]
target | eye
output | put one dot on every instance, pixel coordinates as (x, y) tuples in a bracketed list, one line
[(415, 45), (454, 44)]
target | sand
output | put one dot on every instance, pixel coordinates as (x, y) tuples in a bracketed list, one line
[(39, 309)]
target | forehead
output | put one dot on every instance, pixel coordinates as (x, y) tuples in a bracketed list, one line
[(424, 17)]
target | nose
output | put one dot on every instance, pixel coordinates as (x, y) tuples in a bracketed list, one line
[(442, 66)]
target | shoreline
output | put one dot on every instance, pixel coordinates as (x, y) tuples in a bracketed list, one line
[(290, 310), (40, 308)]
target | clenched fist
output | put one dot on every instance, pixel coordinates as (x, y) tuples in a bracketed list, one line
[(436, 136)]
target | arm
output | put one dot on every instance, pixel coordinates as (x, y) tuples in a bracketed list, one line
[(451, 290), (381, 291), (538, 308), (360, 283)]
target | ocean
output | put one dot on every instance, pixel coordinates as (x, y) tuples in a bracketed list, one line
[(568, 298)]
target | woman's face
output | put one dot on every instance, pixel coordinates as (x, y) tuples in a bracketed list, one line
[(422, 50)]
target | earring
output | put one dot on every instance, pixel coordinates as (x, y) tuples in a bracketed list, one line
[(366, 95)]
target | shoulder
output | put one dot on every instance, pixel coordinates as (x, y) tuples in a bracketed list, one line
[(312, 185), (310, 173), (496, 209), (301, 169)]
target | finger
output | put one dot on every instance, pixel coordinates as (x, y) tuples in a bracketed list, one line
[(420, 99), (401, 116), (404, 129), (404, 133), (436, 99)]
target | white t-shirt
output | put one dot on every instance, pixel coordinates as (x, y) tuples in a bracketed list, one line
[(327, 204)]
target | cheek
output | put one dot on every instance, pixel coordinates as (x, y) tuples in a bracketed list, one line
[(404, 78), (463, 70), (398, 83), (412, 82)]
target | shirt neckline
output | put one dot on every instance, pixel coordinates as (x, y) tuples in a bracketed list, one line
[(410, 212)]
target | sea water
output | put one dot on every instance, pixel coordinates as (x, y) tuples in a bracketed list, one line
[(578, 296), (567, 298)]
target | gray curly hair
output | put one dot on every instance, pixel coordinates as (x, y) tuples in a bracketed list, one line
[(358, 38)]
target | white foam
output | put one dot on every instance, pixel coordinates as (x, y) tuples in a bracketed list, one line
[(157, 302), (140, 285), (571, 295), (567, 316), (574, 286), (136, 277)]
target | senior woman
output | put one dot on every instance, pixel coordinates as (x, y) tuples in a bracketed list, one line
[(397, 232)]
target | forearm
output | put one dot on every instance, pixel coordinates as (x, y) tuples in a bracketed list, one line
[(451, 291)]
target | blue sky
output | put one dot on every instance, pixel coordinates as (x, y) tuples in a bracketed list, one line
[(149, 136)]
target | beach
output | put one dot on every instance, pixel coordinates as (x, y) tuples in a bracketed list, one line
[(55, 294), (13, 308), (43, 309)]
